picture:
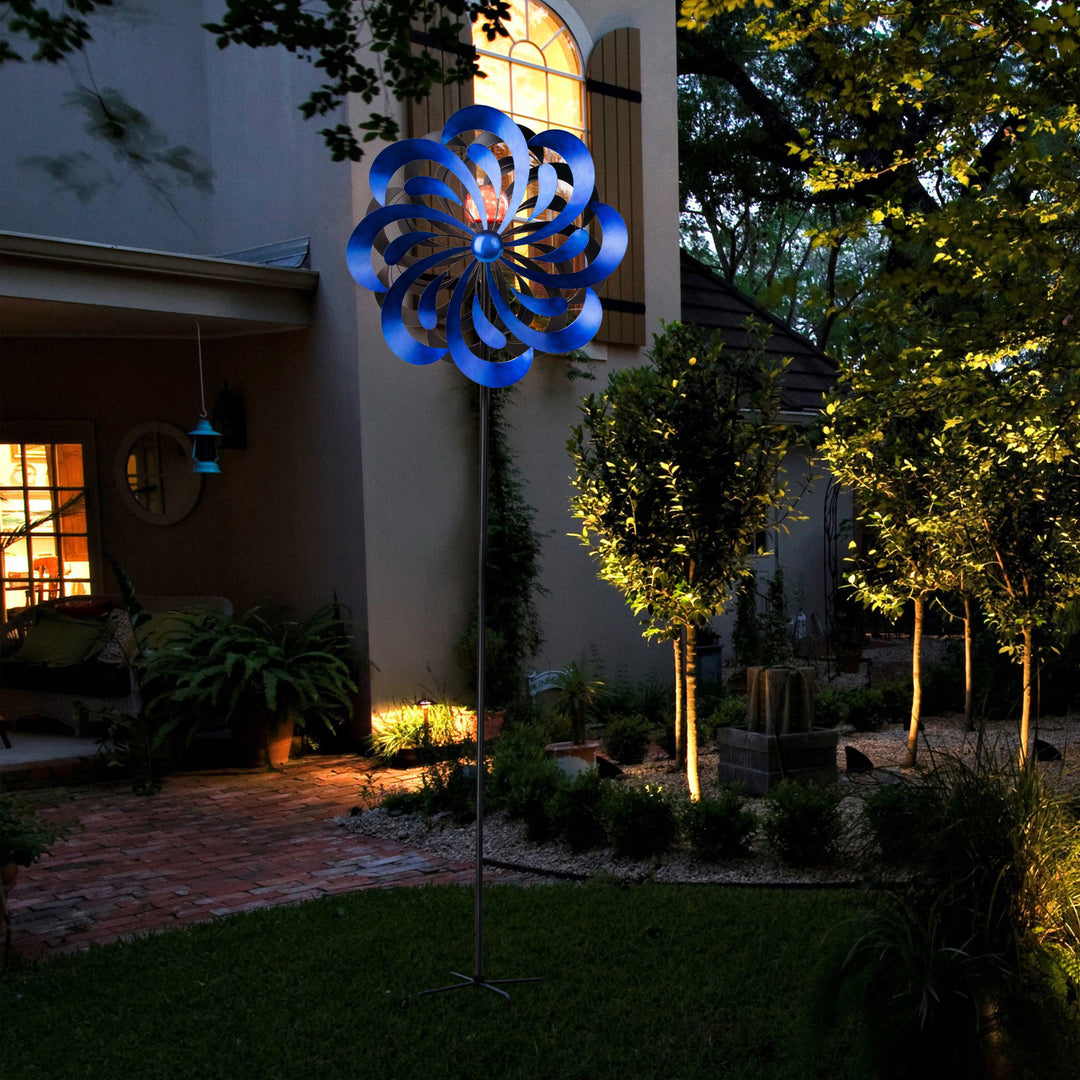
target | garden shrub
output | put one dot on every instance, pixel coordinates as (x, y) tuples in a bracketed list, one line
[(865, 708), (649, 698), (445, 787), (654, 696), (640, 821), (719, 828), (746, 638), (802, 823), (985, 927), (709, 698), (830, 708), (627, 738), (665, 737), (730, 712), (897, 815), (518, 751), (524, 778), (895, 701), (406, 800), (575, 812)]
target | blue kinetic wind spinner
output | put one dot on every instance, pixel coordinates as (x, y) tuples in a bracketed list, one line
[(485, 245)]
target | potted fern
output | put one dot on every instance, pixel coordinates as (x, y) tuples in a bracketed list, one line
[(263, 675)]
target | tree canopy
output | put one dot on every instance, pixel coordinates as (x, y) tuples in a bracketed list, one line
[(944, 134)]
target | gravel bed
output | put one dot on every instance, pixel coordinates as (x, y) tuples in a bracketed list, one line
[(505, 843)]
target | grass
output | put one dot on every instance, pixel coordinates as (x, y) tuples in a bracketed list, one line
[(650, 981)]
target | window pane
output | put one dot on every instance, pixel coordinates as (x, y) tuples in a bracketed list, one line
[(12, 514), (10, 463), (561, 55), (495, 89), (36, 465), (515, 27), (76, 555), (564, 99), (43, 547), (15, 555), (529, 93), (41, 510), (73, 518), (69, 465)]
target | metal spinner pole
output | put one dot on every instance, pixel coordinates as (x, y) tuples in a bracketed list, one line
[(477, 978)]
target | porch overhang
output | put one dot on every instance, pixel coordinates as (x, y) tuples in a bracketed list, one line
[(51, 287)]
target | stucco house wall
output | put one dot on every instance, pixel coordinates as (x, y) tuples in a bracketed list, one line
[(359, 474)]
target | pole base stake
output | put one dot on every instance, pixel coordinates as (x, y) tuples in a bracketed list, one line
[(479, 982)]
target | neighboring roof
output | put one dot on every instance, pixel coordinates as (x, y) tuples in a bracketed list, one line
[(51, 287), (710, 301)]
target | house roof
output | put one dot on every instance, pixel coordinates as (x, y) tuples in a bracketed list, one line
[(710, 301), (52, 287)]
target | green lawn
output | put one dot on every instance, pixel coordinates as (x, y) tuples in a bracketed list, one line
[(648, 981)]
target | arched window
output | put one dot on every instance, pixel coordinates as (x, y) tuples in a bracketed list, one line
[(536, 73), (538, 77)]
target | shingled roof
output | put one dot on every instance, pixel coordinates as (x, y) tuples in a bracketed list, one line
[(709, 301)]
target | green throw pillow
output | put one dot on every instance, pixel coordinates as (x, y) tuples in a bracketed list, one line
[(164, 628), (60, 641)]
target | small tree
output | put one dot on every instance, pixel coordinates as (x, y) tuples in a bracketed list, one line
[(746, 634), (883, 442), (778, 648), (1020, 503), (677, 467)]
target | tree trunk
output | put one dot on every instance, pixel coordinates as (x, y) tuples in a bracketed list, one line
[(1025, 712), (679, 643), (690, 657), (969, 719), (916, 685)]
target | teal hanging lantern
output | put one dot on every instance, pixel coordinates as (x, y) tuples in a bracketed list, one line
[(204, 447), (204, 450)]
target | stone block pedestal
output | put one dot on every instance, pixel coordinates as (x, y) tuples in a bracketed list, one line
[(759, 761)]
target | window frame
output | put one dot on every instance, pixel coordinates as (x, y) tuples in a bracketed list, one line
[(50, 433)]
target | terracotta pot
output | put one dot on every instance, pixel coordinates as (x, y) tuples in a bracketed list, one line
[(493, 722), (264, 742)]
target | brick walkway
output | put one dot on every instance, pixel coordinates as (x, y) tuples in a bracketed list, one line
[(209, 845)]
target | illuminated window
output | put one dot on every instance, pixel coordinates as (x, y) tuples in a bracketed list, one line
[(43, 523), (535, 74)]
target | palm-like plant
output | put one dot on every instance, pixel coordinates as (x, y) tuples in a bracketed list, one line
[(576, 693)]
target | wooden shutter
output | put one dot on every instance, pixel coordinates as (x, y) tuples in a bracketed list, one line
[(613, 86), (431, 113)]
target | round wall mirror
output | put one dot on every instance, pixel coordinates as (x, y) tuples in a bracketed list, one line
[(153, 472)]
